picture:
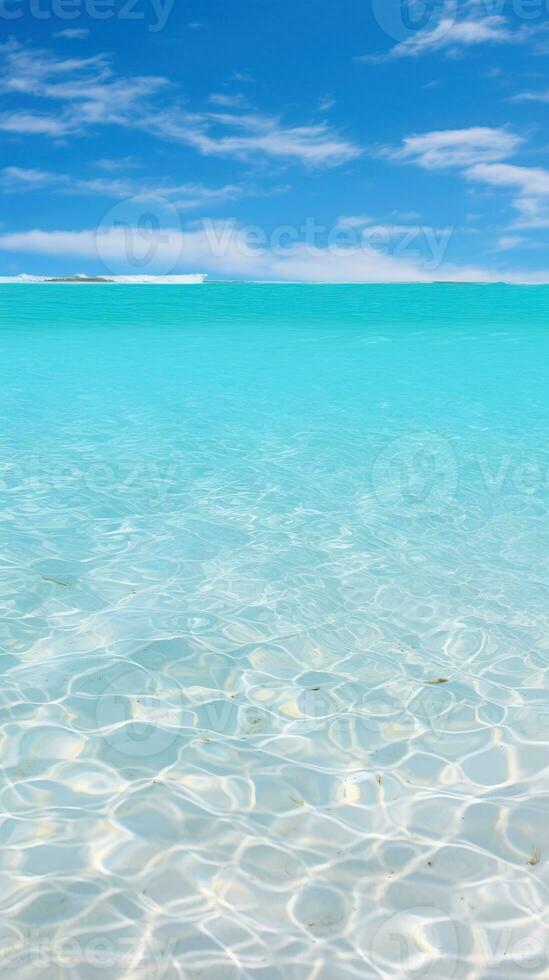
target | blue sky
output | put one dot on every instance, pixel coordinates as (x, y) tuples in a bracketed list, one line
[(373, 140)]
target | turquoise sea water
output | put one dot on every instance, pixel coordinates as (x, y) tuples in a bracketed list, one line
[(244, 528)]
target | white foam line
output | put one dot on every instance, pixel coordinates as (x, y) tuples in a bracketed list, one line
[(186, 280)]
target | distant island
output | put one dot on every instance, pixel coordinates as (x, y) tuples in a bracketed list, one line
[(79, 279)]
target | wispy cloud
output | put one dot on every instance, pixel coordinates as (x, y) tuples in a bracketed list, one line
[(254, 134), (531, 96), (242, 76), (506, 243), (530, 180), (236, 101), (33, 124), (221, 250), (86, 89), (73, 33), (445, 148), (185, 196), (355, 221), (326, 104), (117, 164), (450, 34), (389, 229), (480, 155), (531, 184), (21, 178), (89, 95), (457, 27)]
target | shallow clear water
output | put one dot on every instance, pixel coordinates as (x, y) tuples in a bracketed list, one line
[(243, 530)]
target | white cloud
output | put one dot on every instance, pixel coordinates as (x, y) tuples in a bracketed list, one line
[(254, 134), (479, 153), (86, 88), (188, 196), (208, 250), (21, 178), (370, 227), (533, 212), (508, 242), (532, 184), (222, 249), (457, 148), (355, 221), (89, 94), (33, 124), (531, 97), (326, 104), (184, 196), (533, 181), (242, 76), (450, 33), (73, 33), (117, 164), (236, 101), (459, 26)]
